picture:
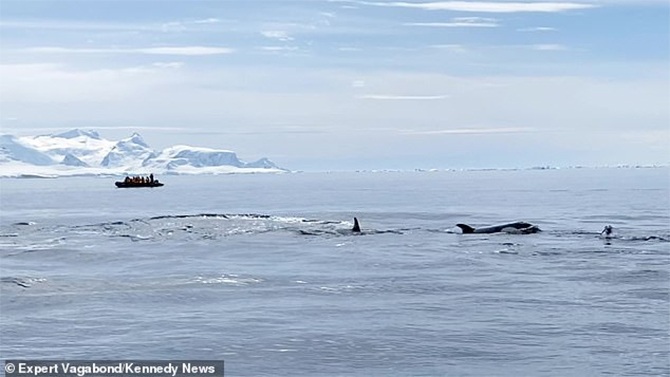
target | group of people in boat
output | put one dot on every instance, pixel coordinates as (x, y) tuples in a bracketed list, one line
[(140, 180)]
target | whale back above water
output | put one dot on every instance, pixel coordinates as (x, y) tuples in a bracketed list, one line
[(516, 227)]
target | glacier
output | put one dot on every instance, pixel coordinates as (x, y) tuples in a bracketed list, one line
[(84, 152)]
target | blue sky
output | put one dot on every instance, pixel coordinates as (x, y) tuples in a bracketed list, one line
[(347, 84)]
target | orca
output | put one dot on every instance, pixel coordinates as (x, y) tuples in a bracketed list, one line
[(517, 227), (357, 227), (607, 231)]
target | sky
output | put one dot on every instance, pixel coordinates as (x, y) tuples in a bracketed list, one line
[(348, 84)]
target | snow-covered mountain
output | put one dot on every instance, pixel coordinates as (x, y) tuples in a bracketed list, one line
[(71, 160), (79, 152), (86, 146), (130, 152), (11, 149)]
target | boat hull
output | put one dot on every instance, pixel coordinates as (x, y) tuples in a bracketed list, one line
[(134, 185)]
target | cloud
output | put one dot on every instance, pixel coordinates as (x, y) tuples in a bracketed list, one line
[(169, 65), (70, 25), (207, 21), (53, 84), (171, 26), (460, 22), (181, 50), (349, 49), (278, 48), (450, 47), (469, 131), (539, 28), (186, 50), (548, 47), (629, 2), (402, 97), (174, 26), (487, 7), (277, 34)]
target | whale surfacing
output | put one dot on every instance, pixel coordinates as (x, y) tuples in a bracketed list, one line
[(357, 227), (518, 227)]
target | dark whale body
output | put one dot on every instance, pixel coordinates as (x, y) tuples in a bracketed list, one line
[(517, 227)]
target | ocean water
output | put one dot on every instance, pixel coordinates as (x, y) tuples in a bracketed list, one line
[(262, 272)]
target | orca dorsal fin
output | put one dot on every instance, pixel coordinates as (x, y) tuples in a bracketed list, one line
[(466, 228), (357, 227)]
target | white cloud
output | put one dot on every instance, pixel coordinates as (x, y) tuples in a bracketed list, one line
[(450, 47), (548, 47), (207, 21), (181, 50), (279, 48), (181, 26), (469, 131), (488, 7), (73, 25), (460, 22), (475, 19), (49, 24), (628, 2), (402, 97), (53, 84), (66, 50), (349, 49), (453, 24), (539, 28), (174, 26), (185, 50), (169, 65), (278, 35)]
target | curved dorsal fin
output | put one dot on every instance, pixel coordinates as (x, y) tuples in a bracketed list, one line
[(357, 227), (466, 228)]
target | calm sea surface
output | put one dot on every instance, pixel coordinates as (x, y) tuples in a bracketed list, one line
[(262, 272)]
